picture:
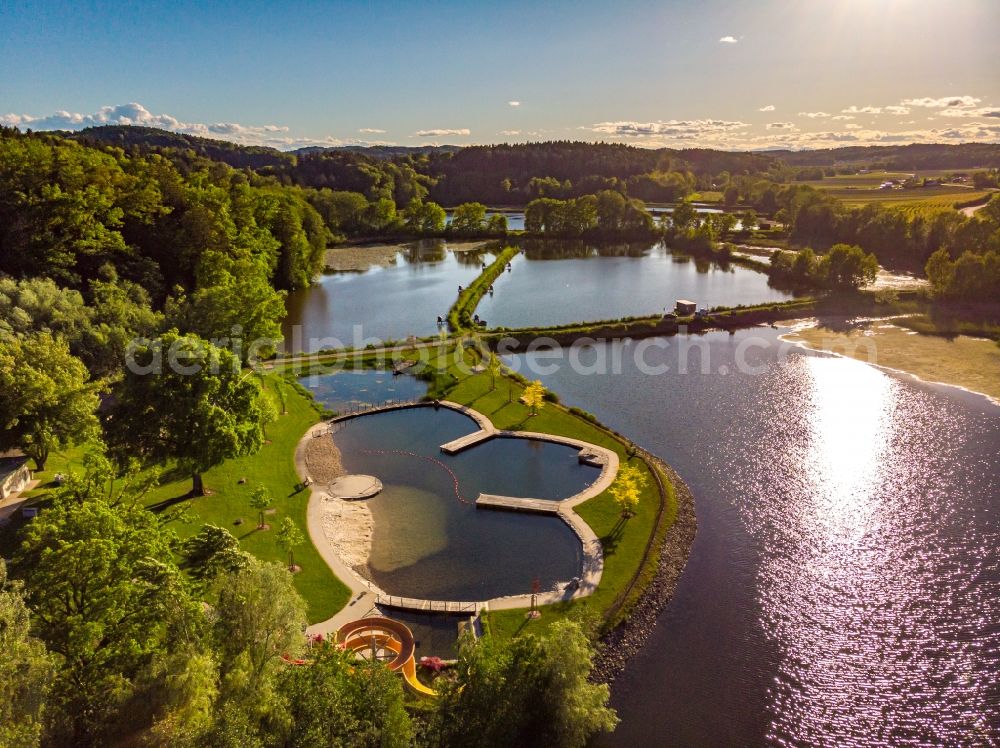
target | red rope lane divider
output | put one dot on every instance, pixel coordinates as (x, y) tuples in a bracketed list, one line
[(434, 460)]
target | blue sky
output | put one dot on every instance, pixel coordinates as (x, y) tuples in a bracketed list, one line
[(698, 72)]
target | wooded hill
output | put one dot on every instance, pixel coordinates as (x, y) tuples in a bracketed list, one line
[(514, 174)]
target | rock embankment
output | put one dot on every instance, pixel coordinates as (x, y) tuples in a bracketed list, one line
[(626, 639)]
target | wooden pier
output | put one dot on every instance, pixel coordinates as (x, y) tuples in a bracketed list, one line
[(515, 504)]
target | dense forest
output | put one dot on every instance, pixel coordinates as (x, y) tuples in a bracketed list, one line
[(514, 174), (912, 157)]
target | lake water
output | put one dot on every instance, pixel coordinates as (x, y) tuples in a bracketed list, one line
[(429, 540), (386, 303), (554, 283), (844, 585), (352, 387), (550, 283)]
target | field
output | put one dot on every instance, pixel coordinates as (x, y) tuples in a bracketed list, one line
[(856, 190), (706, 196)]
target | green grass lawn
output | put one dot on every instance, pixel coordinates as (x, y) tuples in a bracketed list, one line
[(273, 467), (706, 196)]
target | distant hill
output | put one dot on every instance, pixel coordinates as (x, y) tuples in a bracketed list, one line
[(382, 151), (900, 157), (150, 138), (562, 159)]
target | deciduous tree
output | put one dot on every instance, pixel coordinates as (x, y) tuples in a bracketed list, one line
[(105, 595), (339, 700), (290, 537), (468, 217), (260, 499), (48, 401), (627, 489), (533, 396), (187, 400), (26, 670), (526, 691)]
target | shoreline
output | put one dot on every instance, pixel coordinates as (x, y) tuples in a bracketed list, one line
[(843, 347), (630, 636), (347, 525)]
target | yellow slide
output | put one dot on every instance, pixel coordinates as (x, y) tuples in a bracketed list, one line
[(409, 671), (391, 635)]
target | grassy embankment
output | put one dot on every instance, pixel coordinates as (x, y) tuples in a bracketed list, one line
[(461, 312), (229, 501), (724, 318)]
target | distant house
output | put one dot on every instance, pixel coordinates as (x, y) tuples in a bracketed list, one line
[(14, 475), (685, 308)]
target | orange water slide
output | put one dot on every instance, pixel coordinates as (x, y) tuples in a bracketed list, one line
[(378, 632)]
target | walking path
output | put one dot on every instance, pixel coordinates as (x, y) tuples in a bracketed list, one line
[(365, 595)]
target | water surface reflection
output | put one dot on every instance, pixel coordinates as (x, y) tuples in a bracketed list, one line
[(844, 586)]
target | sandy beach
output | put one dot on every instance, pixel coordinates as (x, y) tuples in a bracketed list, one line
[(357, 258), (970, 363), (347, 525)]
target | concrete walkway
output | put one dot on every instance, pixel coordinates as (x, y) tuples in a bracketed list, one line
[(365, 594), (10, 505)]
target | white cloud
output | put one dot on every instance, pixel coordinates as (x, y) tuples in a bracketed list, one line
[(134, 113), (814, 115), (897, 110), (966, 124), (728, 40), (862, 110), (514, 103), (964, 133), (443, 132), (671, 128), (943, 102), (986, 111), (768, 108)]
